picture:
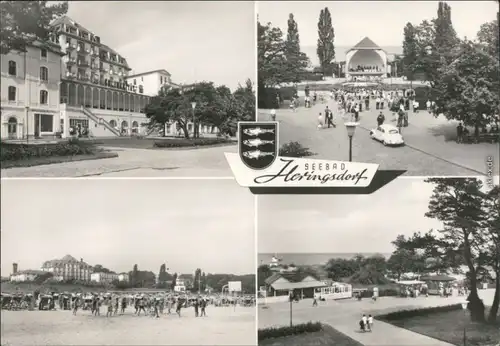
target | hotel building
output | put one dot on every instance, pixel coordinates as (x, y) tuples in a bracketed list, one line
[(152, 81), (109, 277), (68, 268)]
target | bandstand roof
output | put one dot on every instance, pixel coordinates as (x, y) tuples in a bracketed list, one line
[(366, 44)]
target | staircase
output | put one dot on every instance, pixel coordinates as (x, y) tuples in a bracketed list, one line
[(101, 121)]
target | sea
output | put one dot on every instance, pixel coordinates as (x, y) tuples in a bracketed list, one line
[(311, 259)]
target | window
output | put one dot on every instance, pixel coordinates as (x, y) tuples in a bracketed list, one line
[(12, 93), (12, 68), (46, 123), (135, 81), (161, 80), (44, 73), (44, 97), (142, 79), (43, 53)]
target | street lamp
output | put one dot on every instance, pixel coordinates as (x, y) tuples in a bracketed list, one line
[(290, 298), (193, 105), (464, 308), (351, 128)]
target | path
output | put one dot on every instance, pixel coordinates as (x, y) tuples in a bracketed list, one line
[(428, 150), (344, 315), (206, 162)]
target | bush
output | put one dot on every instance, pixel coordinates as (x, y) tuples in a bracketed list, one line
[(403, 314), (185, 142), (294, 149), (279, 332), (72, 147)]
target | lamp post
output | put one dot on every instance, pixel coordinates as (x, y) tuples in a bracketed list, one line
[(464, 308), (351, 128), (290, 298), (193, 105)]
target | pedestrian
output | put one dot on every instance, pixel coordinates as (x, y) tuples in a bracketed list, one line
[(315, 301), (380, 119), (415, 106), (109, 312), (320, 121), (365, 322), (460, 132), (370, 323), (273, 114), (203, 307), (428, 106)]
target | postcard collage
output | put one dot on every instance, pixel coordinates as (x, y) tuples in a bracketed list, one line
[(265, 172)]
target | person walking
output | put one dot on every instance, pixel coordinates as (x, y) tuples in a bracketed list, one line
[(273, 114), (380, 119), (370, 323)]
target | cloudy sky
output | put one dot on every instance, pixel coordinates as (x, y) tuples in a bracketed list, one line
[(344, 224), (117, 223), (194, 41), (382, 21)]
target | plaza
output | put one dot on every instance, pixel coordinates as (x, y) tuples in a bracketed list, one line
[(344, 315), (233, 326), (428, 149)]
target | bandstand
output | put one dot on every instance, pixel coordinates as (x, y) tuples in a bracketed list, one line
[(366, 62)]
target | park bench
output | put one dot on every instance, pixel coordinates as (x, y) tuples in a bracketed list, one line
[(482, 138)]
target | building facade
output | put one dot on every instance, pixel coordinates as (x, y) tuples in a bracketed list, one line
[(94, 92), (152, 81), (68, 268), (109, 277), (30, 91), (26, 275)]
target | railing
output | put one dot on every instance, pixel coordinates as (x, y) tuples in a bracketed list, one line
[(83, 64), (101, 121)]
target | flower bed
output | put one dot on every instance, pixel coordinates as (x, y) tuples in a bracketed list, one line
[(188, 142), (273, 332)]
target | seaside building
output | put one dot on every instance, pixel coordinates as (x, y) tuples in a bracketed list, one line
[(109, 277), (279, 286), (27, 275), (68, 268), (30, 91), (366, 61), (152, 81)]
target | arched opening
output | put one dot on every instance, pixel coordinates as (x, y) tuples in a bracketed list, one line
[(95, 98), (124, 127), (80, 93), (72, 95), (12, 128), (63, 92), (112, 123), (135, 127), (366, 61), (88, 97)]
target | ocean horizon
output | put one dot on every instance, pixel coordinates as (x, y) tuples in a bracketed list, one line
[(312, 258)]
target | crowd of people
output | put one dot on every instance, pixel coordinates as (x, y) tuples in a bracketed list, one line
[(365, 68), (116, 303)]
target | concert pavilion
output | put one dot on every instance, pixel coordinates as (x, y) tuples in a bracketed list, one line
[(366, 61)]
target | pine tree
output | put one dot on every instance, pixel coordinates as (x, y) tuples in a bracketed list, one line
[(326, 36), (410, 51)]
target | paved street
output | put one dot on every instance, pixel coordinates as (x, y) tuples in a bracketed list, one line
[(207, 162), (344, 316), (428, 150)]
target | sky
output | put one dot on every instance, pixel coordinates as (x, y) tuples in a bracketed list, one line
[(194, 41), (344, 223), (382, 21), (117, 223)]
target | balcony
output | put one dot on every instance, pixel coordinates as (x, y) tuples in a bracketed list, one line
[(70, 75), (94, 52), (71, 61), (94, 67), (103, 70), (83, 78), (82, 63), (70, 46)]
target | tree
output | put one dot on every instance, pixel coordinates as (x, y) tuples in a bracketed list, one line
[(22, 22), (263, 272), (445, 39), (410, 52), (458, 204), (134, 275), (162, 275), (100, 269), (468, 88), (197, 280), (428, 60), (292, 43), (203, 282), (488, 36), (326, 36)]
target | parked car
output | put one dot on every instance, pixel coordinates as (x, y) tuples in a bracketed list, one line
[(387, 135)]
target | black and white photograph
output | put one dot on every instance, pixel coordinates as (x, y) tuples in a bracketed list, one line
[(415, 263), (110, 262), (124, 88), (408, 85)]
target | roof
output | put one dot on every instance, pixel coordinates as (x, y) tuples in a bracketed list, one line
[(298, 285), (293, 277), (437, 278), (149, 72), (67, 20), (31, 271), (65, 259), (366, 43)]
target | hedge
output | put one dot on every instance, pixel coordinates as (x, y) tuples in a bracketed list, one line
[(21, 151), (279, 332), (403, 314), (294, 149), (190, 142)]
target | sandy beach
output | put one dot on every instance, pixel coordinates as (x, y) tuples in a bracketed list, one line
[(222, 326)]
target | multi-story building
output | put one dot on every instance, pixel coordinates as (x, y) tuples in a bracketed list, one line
[(152, 81), (30, 91), (68, 268), (26, 275), (94, 93), (108, 277)]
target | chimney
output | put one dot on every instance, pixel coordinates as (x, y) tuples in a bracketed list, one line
[(14, 268), (81, 260)]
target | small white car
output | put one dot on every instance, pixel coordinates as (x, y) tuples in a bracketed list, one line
[(387, 134)]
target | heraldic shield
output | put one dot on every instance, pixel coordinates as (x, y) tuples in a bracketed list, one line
[(258, 143)]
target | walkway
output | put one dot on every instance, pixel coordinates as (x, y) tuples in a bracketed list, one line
[(344, 316)]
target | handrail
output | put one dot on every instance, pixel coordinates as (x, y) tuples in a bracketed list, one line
[(106, 124)]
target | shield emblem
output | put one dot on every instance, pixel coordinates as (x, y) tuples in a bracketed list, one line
[(258, 143)]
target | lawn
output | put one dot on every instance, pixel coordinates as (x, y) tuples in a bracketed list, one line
[(163, 143), (449, 327), (325, 337), (38, 161)]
